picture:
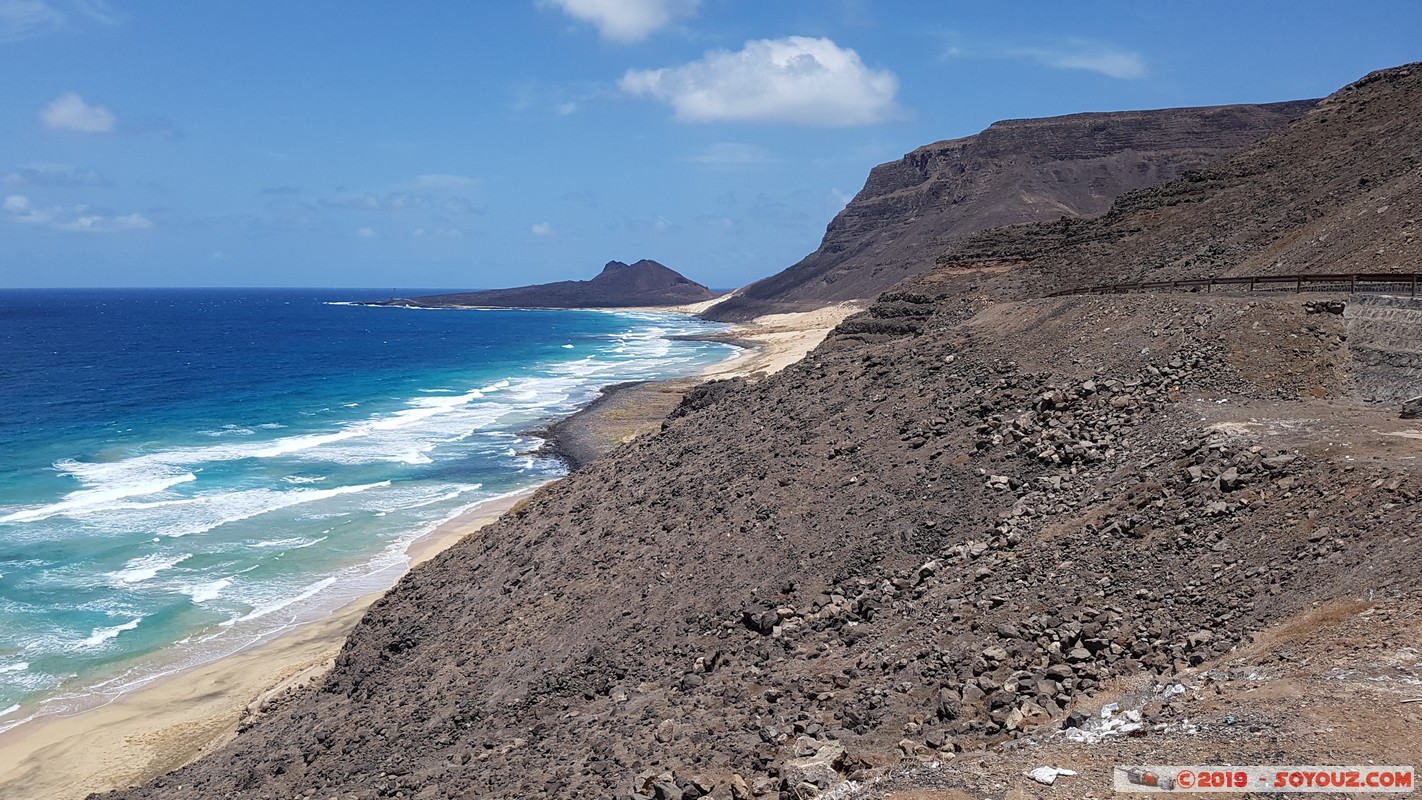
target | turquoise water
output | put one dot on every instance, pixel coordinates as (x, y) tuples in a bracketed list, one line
[(186, 473)]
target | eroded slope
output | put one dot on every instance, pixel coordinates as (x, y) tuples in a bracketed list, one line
[(938, 535), (1013, 172), (1338, 191)]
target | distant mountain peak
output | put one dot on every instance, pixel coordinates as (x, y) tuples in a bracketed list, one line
[(643, 283)]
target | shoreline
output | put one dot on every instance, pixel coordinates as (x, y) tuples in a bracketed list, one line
[(625, 411), (183, 716)]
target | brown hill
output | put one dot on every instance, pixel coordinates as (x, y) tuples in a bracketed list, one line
[(1016, 171), (958, 526), (645, 283), (1338, 191)]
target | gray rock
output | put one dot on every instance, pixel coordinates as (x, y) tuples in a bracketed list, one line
[(820, 769), (1276, 463), (1412, 409), (937, 739), (1033, 714), (947, 708), (760, 619), (806, 746), (1229, 479)]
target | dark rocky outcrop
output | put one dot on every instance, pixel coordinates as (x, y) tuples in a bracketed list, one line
[(645, 283), (1337, 191), (1016, 171), (1385, 348), (1412, 409)]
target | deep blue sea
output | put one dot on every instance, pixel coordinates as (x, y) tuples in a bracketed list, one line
[(184, 473)]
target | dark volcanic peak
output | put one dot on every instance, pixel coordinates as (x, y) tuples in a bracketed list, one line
[(1337, 191), (1016, 171), (645, 283)]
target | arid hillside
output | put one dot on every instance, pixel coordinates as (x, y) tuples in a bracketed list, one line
[(1016, 171), (933, 542), (926, 557), (1338, 191)]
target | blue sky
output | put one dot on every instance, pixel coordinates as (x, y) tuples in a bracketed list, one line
[(502, 142)]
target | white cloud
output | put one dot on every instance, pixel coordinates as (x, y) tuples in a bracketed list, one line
[(69, 112), (100, 223), (442, 232), (562, 101), (54, 176), (79, 219), (27, 19), (732, 154), (626, 21), (23, 19), (440, 181), (797, 80), (1091, 56), (365, 233), (394, 202), (543, 230), (1080, 54)]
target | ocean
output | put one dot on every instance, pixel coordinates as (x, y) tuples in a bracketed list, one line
[(185, 473)]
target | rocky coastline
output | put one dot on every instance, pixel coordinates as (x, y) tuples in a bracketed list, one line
[(921, 548)]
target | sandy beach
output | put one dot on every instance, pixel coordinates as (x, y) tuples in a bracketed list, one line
[(179, 718), (162, 726)]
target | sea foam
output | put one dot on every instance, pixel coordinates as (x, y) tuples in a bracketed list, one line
[(102, 635), (203, 592), (412, 445), (277, 605), (143, 568), (87, 499)]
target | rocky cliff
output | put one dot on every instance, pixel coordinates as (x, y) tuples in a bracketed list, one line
[(645, 283), (1385, 344), (1337, 191), (1016, 171), (930, 551)]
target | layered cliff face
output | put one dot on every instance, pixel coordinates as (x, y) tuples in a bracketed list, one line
[(1015, 171), (645, 283), (1385, 347), (958, 521), (1337, 191)]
